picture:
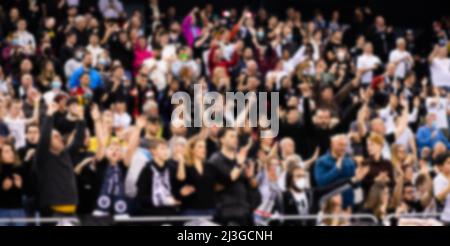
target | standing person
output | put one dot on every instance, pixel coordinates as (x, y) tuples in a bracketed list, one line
[(197, 193), (402, 59), (236, 191), (336, 165), (54, 166), (11, 189), (367, 63), (380, 169), (441, 185), (156, 186)]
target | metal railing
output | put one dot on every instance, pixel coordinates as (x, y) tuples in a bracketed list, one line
[(369, 218)]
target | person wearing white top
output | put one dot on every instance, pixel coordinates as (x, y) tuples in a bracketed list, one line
[(401, 58), (24, 39), (440, 67), (367, 63), (95, 49), (111, 9), (441, 185)]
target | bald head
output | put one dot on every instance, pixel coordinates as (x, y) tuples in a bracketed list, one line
[(339, 145)]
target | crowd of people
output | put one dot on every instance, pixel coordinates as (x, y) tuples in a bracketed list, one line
[(86, 124)]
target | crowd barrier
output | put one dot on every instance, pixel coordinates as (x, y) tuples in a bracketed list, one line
[(368, 218)]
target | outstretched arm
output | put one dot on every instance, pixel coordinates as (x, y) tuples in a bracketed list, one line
[(134, 140)]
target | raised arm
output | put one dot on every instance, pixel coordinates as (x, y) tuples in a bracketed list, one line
[(80, 132), (141, 122), (46, 134), (36, 106)]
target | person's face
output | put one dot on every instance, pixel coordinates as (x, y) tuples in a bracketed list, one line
[(323, 118), (374, 149), (401, 45), (409, 194), (288, 148), (446, 167), (85, 80), (107, 118), (401, 153), (8, 155), (14, 13), (431, 119), (368, 48), (200, 150), (87, 61), (26, 66), (161, 152), (230, 140), (293, 117), (33, 135), (378, 126), (114, 153), (16, 108), (56, 143), (22, 25), (340, 146), (93, 40)]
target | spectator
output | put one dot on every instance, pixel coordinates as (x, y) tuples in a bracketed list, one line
[(334, 166), (441, 185), (94, 76), (429, 135)]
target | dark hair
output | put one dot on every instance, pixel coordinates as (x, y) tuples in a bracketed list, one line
[(155, 142), (441, 159), (290, 177), (31, 125), (223, 131)]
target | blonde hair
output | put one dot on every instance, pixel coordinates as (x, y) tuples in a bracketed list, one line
[(189, 154)]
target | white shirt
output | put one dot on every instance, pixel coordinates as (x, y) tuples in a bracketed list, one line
[(402, 67), (388, 115), (110, 8), (440, 72), (366, 61), (25, 39), (138, 162), (16, 127), (440, 183), (122, 120), (439, 108), (96, 51), (404, 139)]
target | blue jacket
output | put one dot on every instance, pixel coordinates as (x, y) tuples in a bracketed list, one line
[(96, 80), (424, 138), (326, 172)]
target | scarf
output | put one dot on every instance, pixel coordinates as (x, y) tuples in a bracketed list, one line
[(112, 194), (161, 195)]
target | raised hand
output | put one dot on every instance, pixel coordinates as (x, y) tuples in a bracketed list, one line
[(52, 108)]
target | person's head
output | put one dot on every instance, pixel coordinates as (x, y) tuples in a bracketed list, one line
[(339, 144), (26, 66), (159, 150), (336, 37), (377, 126), (177, 145), (196, 150), (80, 23), (15, 108), (85, 80), (380, 22), (368, 48), (22, 25), (409, 193), (431, 120), (375, 145), (32, 134), (228, 139), (9, 154), (94, 39), (378, 197), (114, 152), (401, 44), (287, 146), (322, 117), (296, 179), (442, 162), (71, 38), (87, 60)]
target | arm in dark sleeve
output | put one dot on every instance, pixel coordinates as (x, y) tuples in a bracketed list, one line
[(347, 119), (78, 139), (307, 115), (144, 191), (43, 147)]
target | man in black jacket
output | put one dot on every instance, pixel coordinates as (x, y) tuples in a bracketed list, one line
[(236, 193), (54, 166)]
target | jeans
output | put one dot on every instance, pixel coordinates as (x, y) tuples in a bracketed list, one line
[(12, 213)]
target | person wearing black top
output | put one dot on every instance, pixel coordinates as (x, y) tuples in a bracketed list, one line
[(236, 190), (27, 154), (197, 193), (11, 185), (54, 166), (157, 192)]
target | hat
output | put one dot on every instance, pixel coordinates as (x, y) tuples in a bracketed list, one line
[(377, 139)]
